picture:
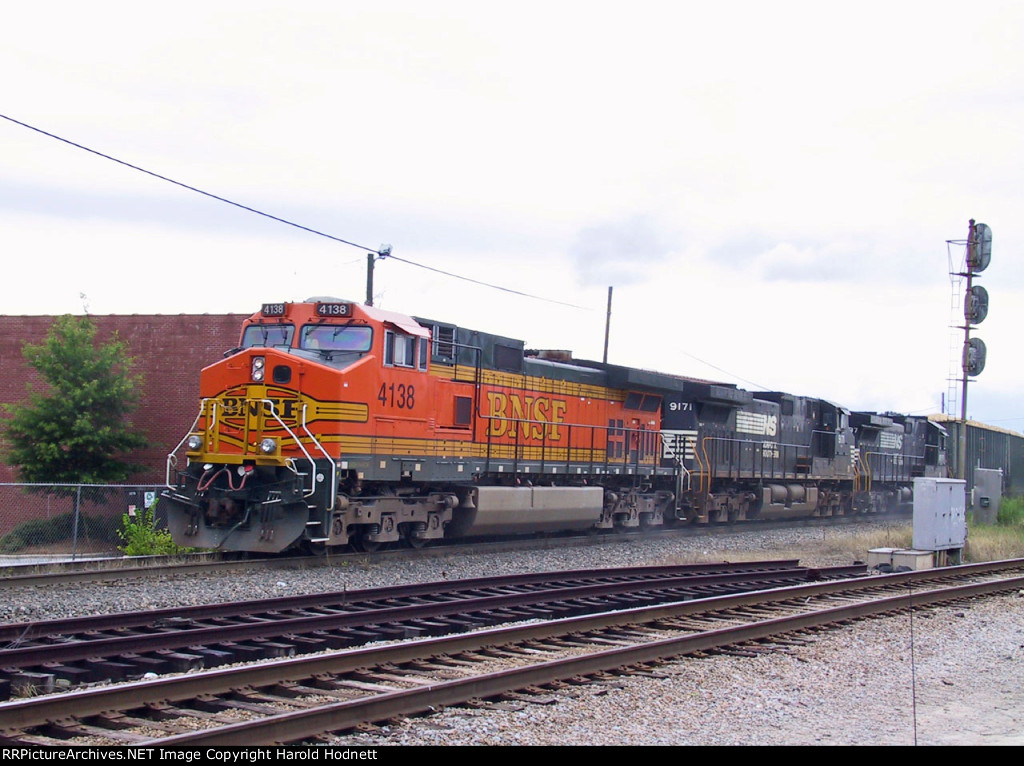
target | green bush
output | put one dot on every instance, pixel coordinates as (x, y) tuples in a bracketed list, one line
[(142, 538), (59, 528)]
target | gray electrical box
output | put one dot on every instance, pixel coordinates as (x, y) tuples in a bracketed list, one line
[(940, 514), (987, 494)]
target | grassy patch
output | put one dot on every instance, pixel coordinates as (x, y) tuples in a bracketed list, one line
[(984, 542), (836, 545), (994, 543), (1002, 540), (1011, 512), (889, 537), (829, 546)]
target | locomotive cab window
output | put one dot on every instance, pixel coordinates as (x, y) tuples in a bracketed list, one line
[(404, 351), (268, 335), (326, 337)]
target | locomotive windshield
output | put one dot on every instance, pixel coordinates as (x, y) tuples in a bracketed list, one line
[(336, 337), (268, 335)]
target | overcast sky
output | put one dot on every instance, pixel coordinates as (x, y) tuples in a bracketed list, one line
[(769, 187)]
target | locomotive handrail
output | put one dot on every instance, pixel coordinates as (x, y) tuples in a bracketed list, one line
[(477, 375), (861, 474), (645, 455), (590, 468), (172, 459), (683, 472), (706, 476), (908, 460), (822, 432), (700, 465), (775, 473), (334, 468), (211, 404), (302, 447), (881, 467)]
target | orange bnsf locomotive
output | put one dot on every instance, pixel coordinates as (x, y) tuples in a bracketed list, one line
[(335, 423)]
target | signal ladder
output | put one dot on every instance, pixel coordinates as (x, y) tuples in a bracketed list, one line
[(956, 319)]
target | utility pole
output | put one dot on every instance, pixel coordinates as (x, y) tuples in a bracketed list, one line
[(369, 278), (608, 324), (383, 252)]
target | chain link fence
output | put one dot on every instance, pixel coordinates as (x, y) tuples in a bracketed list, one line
[(40, 522)]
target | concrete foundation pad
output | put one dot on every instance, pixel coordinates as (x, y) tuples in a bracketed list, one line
[(901, 557)]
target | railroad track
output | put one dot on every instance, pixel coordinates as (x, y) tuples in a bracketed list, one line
[(36, 657), (298, 699), (119, 569)]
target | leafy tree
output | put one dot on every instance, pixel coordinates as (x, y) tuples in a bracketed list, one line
[(78, 431)]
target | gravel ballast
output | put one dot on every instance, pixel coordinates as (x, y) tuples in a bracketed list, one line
[(953, 675)]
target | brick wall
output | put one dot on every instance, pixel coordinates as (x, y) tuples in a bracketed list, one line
[(169, 351)]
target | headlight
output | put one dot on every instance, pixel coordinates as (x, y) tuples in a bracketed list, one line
[(258, 363), (194, 442), (268, 446)]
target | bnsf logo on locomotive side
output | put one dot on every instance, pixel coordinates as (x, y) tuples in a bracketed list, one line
[(236, 406), (505, 409)]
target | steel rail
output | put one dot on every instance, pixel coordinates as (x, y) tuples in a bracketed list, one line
[(348, 598), (547, 601), (299, 725), (25, 714), (102, 570), (116, 568)]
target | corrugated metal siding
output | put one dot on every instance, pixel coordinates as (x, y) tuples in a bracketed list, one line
[(989, 447)]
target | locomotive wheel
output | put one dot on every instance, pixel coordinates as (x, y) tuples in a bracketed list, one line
[(361, 543), (315, 549), (409, 540)]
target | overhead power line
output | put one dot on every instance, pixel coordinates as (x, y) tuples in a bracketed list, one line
[(381, 253), (183, 185), (486, 284), (730, 374)]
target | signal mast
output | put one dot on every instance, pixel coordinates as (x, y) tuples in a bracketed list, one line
[(979, 254)]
